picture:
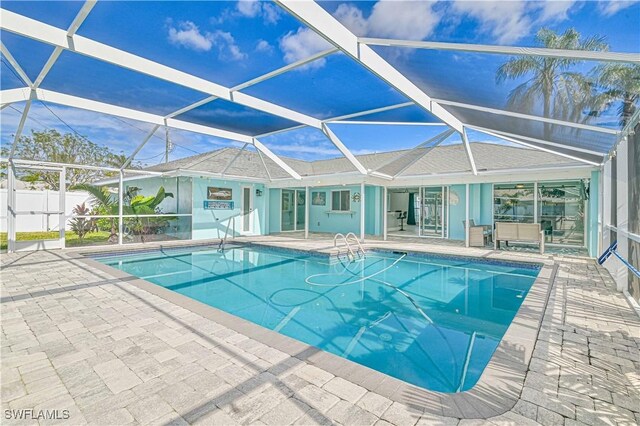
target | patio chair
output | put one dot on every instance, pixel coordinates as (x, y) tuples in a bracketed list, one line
[(479, 235)]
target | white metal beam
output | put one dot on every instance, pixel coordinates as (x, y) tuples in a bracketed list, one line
[(75, 25), (438, 139), (275, 132), (321, 21), (27, 27), (529, 117), (266, 169), (467, 148), (390, 123), (76, 102), (504, 135), (256, 80), (87, 104), (550, 151), (586, 55), (23, 119), (10, 96), (233, 160), (284, 69), (343, 149), (367, 112), (266, 151), (16, 66), (137, 150)]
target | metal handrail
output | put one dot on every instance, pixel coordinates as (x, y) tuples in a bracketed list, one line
[(360, 248), (612, 250), (346, 243), (223, 241)]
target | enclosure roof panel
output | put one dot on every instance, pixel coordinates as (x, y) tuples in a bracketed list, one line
[(251, 70)]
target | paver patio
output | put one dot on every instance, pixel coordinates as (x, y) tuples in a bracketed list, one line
[(76, 338)]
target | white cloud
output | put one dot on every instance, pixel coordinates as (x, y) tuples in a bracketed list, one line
[(556, 11), (227, 47), (253, 8), (188, 35), (509, 21), (302, 44), (506, 21), (249, 8), (391, 19), (611, 7), (264, 46)]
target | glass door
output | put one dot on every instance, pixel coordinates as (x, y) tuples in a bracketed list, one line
[(287, 210), (300, 209), (434, 211), (247, 208)]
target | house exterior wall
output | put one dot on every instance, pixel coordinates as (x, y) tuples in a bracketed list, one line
[(213, 223)]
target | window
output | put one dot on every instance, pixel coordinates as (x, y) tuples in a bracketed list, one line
[(561, 211), (341, 201), (513, 203)]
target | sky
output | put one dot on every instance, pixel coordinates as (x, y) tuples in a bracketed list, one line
[(232, 42)]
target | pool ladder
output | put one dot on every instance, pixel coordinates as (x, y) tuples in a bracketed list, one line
[(345, 239), (223, 241)]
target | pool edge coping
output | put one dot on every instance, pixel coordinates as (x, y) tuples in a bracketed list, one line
[(496, 392)]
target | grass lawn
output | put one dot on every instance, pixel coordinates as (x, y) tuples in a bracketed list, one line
[(71, 238)]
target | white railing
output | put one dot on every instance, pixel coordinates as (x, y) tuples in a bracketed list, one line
[(353, 236), (345, 240)]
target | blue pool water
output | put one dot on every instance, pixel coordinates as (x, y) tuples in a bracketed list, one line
[(431, 321)]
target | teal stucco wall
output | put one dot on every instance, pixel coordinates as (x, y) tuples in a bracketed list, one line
[(212, 223)]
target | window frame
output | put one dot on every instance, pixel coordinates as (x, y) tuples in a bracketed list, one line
[(341, 210)]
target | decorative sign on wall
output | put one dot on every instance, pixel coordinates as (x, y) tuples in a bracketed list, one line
[(215, 193), (318, 198), (356, 197), (218, 205)]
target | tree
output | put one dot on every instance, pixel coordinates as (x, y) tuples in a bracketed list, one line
[(553, 87), (620, 83), (52, 146)]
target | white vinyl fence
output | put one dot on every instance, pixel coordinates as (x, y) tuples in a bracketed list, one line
[(39, 202)]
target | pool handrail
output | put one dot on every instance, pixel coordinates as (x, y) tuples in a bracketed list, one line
[(353, 235), (346, 243)]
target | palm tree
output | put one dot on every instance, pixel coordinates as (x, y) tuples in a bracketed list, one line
[(563, 93), (620, 83)]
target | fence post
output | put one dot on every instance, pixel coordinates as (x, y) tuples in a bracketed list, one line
[(62, 198), (120, 206), (11, 207)]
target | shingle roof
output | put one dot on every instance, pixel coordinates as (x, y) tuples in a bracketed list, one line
[(439, 160)]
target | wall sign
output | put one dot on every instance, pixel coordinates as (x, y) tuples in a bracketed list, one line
[(218, 205), (215, 193), (318, 198)]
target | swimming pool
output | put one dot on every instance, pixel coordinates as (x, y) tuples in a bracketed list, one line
[(432, 321)]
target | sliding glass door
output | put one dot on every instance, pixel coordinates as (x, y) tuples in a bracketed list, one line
[(433, 204), (292, 210)]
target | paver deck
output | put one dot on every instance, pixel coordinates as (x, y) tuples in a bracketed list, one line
[(77, 338)]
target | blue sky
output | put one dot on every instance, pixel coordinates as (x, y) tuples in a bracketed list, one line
[(232, 42)]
